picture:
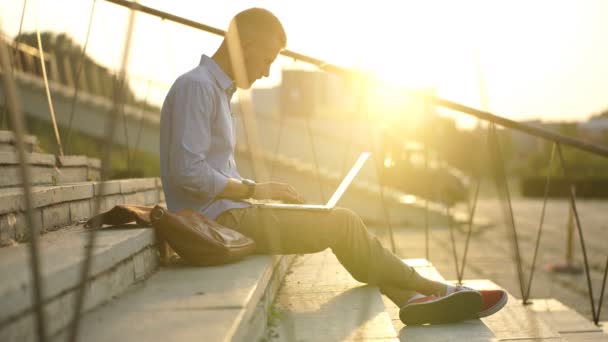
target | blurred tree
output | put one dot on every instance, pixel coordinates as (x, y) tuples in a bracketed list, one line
[(96, 79)]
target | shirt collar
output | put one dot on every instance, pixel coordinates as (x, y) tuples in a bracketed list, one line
[(220, 76)]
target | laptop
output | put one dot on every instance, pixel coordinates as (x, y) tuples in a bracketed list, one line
[(334, 198)]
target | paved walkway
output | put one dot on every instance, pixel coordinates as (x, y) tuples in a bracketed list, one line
[(490, 255)]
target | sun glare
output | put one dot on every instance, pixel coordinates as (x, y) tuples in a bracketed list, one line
[(506, 57)]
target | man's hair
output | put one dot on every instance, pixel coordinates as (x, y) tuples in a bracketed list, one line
[(258, 24)]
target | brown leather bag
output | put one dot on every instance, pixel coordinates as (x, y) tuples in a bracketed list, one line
[(195, 238)]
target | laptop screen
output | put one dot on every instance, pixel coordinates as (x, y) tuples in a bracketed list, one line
[(348, 179)]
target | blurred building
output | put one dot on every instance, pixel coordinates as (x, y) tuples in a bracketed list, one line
[(305, 93), (594, 130)]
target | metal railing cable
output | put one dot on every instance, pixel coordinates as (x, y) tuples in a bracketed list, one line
[(579, 228), (600, 301), (277, 144), (427, 252), (141, 121), (13, 61), (313, 151), (460, 272), (123, 113), (540, 227), (77, 76), (347, 152), (459, 265), (13, 104), (256, 158), (450, 222), (377, 168), (315, 159), (46, 86), (105, 161), (502, 188), (531, 130)]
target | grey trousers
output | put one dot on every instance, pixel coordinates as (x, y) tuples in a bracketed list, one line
[(284, 231)]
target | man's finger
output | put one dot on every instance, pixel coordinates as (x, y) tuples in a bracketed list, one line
[(292, 197)]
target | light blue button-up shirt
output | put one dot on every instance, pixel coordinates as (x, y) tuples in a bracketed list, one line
[(197, 140)]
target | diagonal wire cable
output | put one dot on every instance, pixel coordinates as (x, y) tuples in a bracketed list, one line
[(313, 151), (125, 88), (314, 158), (47, 88), (107, 146), (540, 227), (277, 145), (383, 204), (347, 152), (502, 187), (460, 273), (599, 306), (427, 253), (579, 229), (141, 121), (77, 77), (347, 149), (13, 103), (448, 215), (14, 59)]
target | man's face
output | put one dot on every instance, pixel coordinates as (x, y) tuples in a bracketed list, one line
[(258, 58)]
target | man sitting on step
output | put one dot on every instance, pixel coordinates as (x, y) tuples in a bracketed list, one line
[(198, 170)]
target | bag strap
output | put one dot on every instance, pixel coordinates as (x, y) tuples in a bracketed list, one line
[(121, 214)]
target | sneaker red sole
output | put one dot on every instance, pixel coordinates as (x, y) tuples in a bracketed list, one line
[(456, 307), (494, 309)]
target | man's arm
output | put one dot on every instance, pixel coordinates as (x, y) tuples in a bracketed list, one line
[(190, 143), (192, 115)]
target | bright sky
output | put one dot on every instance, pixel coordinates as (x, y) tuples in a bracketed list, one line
[(544, 59)]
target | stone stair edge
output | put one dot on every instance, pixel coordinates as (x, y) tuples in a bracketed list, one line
[(41, 158), (33, 158), (8, 137), (565, 319), (79, 160), (265, 292), (317, 290), (219, 303), (61, 255), (12, 199)]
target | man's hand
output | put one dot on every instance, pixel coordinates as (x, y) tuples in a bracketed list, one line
[(277, 191)]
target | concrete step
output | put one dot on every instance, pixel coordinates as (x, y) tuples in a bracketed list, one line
[(121, 258), (179, 303), (320, 301), (46, 169), (362, 196), (59, 206), (568, 323), (8, 142)]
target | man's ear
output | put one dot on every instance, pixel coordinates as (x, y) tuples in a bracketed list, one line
[(246, 45)]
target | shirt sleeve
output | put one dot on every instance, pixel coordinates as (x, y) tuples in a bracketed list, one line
[(192, 115)]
